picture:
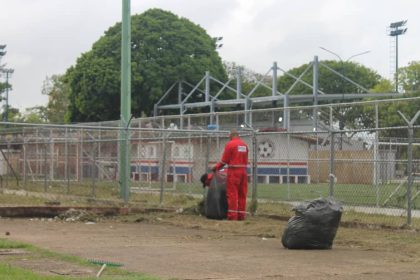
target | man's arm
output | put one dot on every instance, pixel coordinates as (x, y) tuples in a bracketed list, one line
[(225, 159)]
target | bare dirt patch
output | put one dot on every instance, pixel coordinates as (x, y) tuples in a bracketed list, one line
[(192, 247)]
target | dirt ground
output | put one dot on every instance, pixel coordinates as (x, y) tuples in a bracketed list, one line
[(191, 247)]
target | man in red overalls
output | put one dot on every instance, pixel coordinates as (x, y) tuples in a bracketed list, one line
[(235, 156)]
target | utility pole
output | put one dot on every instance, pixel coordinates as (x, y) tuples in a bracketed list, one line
[(124, 170)]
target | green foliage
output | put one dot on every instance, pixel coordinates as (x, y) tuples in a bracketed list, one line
[(389, 117), (409, 77), (13, 114), (384, 85), (57, 90), (3, 87), (249, 80), (330, 82), (36, 114), (164, 48)]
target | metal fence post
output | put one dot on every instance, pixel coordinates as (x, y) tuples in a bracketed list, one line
[(93, 169), (45, 167), (332, 167), (6, 157), (288, 166), (163, 168), (410, 128), (51, 155), (25, 159), (81, 157), (254, 201), (375, 155), (207, 158), (410, 172), (66, 162), (315, 92)]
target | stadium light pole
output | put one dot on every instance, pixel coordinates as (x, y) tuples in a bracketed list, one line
[(394, 30), (124, 149)]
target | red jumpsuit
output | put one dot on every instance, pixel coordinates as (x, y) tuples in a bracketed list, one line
[(235, 156)]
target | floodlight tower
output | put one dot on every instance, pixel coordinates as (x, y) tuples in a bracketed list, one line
[(394, 30)]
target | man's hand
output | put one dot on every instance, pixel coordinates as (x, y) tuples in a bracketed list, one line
[(214, 168)]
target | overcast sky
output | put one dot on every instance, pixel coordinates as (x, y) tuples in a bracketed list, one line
[(45, 37)]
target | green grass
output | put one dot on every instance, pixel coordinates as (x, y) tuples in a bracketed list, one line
[(349, 194), (8, 271), (7, 244)]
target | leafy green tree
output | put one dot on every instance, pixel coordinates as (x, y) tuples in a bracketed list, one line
[(409, 77), (14, 114), (165, 48), (249, 79), (384, 85), (3, 87), (331, 83), (57, 90), (36, 114)]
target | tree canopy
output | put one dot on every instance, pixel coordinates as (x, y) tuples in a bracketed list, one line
[(330, 82), (409, 77), (57, 90), (165, 48)]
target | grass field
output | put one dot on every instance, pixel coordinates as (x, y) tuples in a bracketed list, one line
[(349, 194)]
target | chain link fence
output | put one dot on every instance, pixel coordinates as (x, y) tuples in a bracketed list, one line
[(362, 154)]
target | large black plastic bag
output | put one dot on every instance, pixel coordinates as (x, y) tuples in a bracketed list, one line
[(215, 203), (314, 225)]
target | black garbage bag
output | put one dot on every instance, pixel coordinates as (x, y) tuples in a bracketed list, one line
[(215, 202), (314, 225)]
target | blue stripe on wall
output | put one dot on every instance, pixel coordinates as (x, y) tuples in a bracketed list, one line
[(155, 169), (281, 171), (180, 170)]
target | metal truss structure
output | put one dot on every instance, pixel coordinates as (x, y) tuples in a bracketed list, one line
[(246, 101)]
